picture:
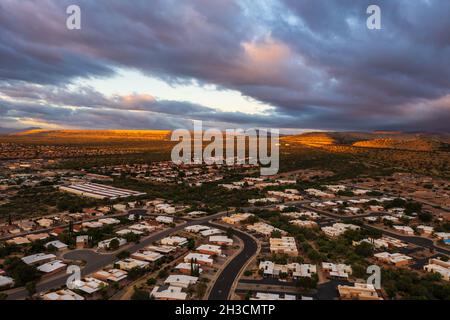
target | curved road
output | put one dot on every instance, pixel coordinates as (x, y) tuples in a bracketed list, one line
[(224, 282)]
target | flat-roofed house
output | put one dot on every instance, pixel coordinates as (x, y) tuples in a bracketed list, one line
[(38, 258), (111, 275), (182, 281), (187, 268), (62, 295), (439, 266), (146, 255), (203, 259), (6, 282), (283, 245), (168, 293), (52, 267), (209, 249), (221, 240), (360, 291)]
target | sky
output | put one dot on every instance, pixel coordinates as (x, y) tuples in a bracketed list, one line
[(288, 64)]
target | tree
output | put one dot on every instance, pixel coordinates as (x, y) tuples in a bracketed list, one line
[(364, 249), (20, 271), (276, 234), (123, 254), (31, 288), (140, 294), (3, 296), (151, 281), (114, 244), (230, 232), (425, 217), (191, 244)]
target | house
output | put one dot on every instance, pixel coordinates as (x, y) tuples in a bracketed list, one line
[(196, 228), (56, 244), (18, 241), (405, 230), (396, 259), (111, 275), (296, 270), (45, 223), (439, 266), (337, 271), (91, 225), (187, 268), (283, 245), (210, 232), (37, 236), (106, 244), (82, 242), (164, 219), (264, 228), (89, 285), (203, 259), (196, 213), (443, 235), (109, 221), (425, 230), (318, 193), (168, 293), (174, 241), (162, 249), (130, 263), (124, 232), (209, 249), (38, 258), (304, 224), (360, 291), (338, 229), (145, 255), (6, 282), (221, 240), (182, 281), (52, 267), (237, 218), (62, 295)]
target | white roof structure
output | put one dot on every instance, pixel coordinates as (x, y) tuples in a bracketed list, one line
[(180, 280), (89, 285), (106, 243), (439, 266), (221, 240), (6, 281), (164, 219), (129, 263), (57, 244), (337, 270), (113, 275), (209, 248), (196, 228), (162, 249), (173, 241), (198, 258), (168, 293), (99, 191), (62, 295), (196, 213), (38, 258), (146, 255), (211, 232), (52, 266)]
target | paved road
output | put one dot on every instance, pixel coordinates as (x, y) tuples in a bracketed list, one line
[(224, 282), (96, 261)]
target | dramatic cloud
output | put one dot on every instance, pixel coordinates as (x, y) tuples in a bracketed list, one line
[(314, 62)]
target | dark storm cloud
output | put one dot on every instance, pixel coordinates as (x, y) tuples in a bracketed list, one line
[(314, 61)]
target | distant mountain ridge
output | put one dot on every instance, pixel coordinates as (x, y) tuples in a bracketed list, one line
[(378, 139)]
